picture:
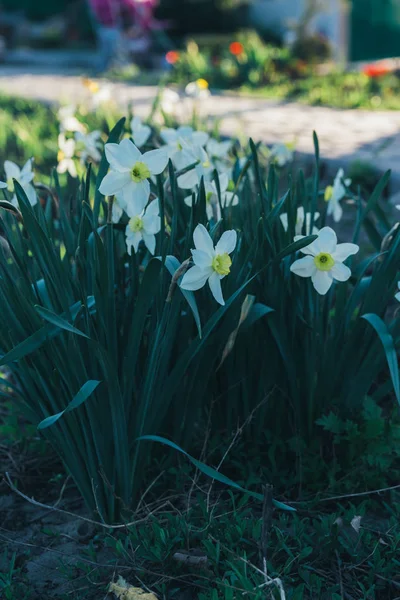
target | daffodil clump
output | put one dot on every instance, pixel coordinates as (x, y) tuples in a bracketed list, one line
[(166, 278)]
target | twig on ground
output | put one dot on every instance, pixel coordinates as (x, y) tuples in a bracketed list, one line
[(86, 519)]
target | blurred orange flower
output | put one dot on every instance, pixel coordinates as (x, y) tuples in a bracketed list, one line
[(172, 57), (236, 48), (376, 69)]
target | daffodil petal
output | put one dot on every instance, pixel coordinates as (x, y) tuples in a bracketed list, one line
[(227, 242), (304, 267), (150, 241), (133, 238), (156, 160), (313, 248), (340, 272), (202, 240), (200, 138), (113, 182), (215, 286), (31, 194), (12, 170), (122, 156), (201, 259), (322, 281), (151, 223), (188, 180), (327, 240), (153, 209), (136, 196), (168, 135), (343, 251), (195, 278)]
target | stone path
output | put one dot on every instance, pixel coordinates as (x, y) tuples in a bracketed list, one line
[(344, 135)]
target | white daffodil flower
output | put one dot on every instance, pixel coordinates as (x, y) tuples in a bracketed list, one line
[(300, 221), (281, 154), (65, 156), (169, 101), (68, 121), (334, 194), (24, 177), (140, 132), (210, 264), (217, 149), (198, 89), (204, 169), (324, 260), (212, 204), (397, 296), (143, 227), (130, 173), (219, 153), (101, 93), (180, 142), (88, 145)]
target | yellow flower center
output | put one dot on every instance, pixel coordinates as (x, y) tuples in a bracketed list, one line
[(91, 85), (222, 264), (140, 172), (206, 164), (10, 184), (202, 84), (328, 193), (136, 224), (324, 261), (60, 156)]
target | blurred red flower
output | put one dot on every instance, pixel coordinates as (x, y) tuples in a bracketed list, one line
[(172, 57), (236, 48), (376, 69)]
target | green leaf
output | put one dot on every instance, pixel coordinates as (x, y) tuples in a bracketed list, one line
[(210, 472), (305, 241), (86, 390), (37, 339), (10, 207), (389, 347), (51, 317)]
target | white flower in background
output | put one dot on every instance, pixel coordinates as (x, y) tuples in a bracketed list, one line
[(210, 264), (324, 260), (219, 153), (212, 204), (140, 132), (169, 101), (68, 120), (180, 142), (88, 145), (281, 154), (130, 173), (24, 177), (198, 89), (101, 93), (300, 221), (397, 296), (204, 168), (217, 149), (143, 226), (65, 156), (334, 194)]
